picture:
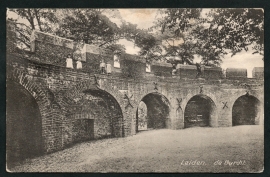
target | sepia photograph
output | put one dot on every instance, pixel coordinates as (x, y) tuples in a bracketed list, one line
[(135, 90)]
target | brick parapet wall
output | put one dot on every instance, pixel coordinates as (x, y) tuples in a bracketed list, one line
[(67, 84), (53, 49)]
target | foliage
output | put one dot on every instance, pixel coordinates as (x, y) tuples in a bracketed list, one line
[(148, 43), (188, 25), (88, 25), (36, 19), (179, 33), (116, 48), (175, 26), (178, 19), (238, 28), (222, 31)]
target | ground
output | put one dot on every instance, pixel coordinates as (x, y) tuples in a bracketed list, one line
[(186, 150)]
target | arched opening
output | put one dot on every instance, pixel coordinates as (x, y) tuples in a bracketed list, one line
[(23, 125), (141, 115), (105, 118), (200, 112), (153, 111), (246, 111)]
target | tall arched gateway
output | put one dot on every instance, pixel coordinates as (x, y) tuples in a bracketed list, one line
[(200, 111), (157, 111), (246, 111), (23, 123)]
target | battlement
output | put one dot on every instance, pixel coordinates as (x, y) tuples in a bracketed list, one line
[(52, 49), (258, 72), (236, 73)]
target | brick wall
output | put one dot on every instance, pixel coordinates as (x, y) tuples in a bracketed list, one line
[(190, 71), (63, 88), (131, 68), (212, 73), (236, 73), (61, 95)]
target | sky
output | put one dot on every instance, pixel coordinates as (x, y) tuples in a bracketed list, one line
[(144, 18)]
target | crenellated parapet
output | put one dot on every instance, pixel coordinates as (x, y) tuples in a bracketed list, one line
[(52, 49), (55, 49)]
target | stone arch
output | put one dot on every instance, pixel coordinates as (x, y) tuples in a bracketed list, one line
[(254, 93), (26, 81), (24, 120), (246, 110), (146, 92), (240, 93), (88, 84), (158, 110), (200, 110), (190, 95), (109, 92)]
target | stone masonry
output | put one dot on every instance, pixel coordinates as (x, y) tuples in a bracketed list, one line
[(72, 101)]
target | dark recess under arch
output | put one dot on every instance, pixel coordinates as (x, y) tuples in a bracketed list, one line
[(23, 125), (157, 111), (199, 112), (245, 111)]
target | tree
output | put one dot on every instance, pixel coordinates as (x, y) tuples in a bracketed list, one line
[(92, 26), (222, 31), (148, 43), (175, 34), (36, 19), (189, 26), (238, 29), (88, 25), (179, 19), (181, 52), (208, 47)]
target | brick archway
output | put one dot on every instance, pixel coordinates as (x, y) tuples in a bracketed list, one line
[(27, 82), (246, 110), (243, 92), (204, 105), (158, 110), (240, 93), (142, 95), (89, 85), (189, 96), (27, 107)]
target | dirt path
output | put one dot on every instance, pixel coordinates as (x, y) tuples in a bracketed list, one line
[(186, 150)]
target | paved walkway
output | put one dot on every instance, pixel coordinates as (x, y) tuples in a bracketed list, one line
[(232, 149)]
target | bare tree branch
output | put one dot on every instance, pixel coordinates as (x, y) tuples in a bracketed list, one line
[(38, 19)]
